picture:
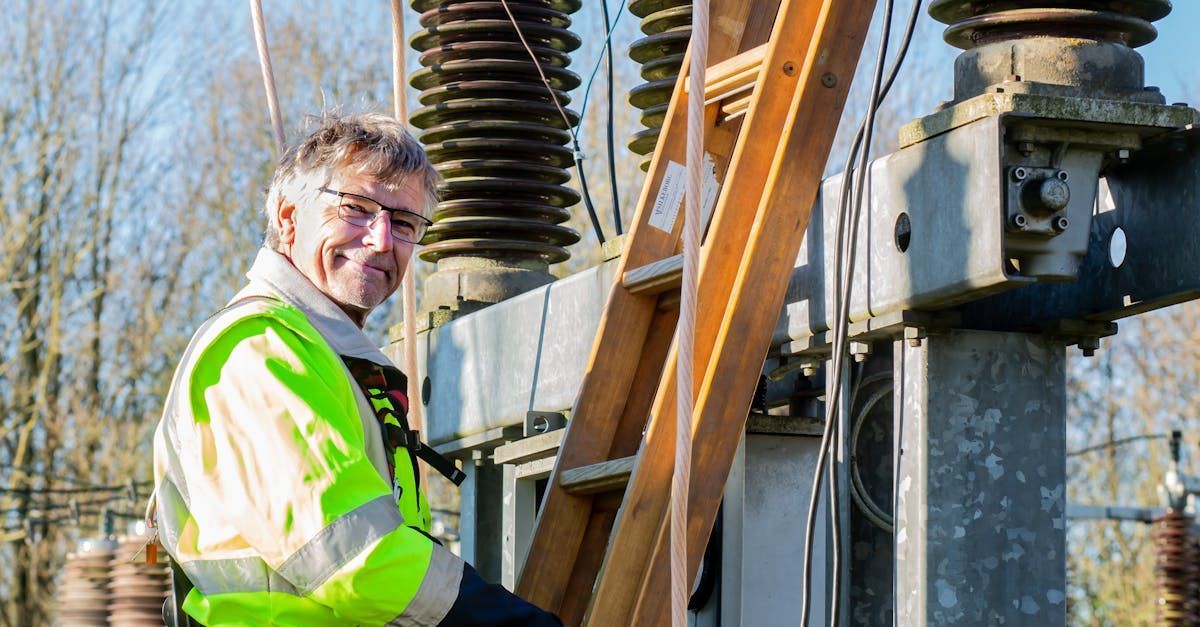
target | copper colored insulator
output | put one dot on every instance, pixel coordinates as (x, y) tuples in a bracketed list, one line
[(1176, 572)]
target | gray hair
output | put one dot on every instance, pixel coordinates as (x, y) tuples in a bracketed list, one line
[(369, 144)]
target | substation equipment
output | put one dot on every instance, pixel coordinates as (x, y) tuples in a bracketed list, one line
[(1054, 195)]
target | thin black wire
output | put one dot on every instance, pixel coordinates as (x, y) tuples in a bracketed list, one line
[(29, 470), (1119, 442), (878, 94), (587, 197), (70, 519), (36, 491), (612, 157), (44, 508)]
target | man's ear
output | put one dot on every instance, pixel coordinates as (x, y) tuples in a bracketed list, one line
[(285, 223)]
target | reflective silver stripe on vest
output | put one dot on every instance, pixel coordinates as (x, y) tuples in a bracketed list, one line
[(339, 542), (437, 592), (245, 574), (304, 571)]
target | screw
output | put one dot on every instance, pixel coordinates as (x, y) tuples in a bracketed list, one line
[(1025, 148), (1019, 174), (828, 79), (789, 68)]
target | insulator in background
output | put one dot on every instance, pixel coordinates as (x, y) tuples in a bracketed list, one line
[(667, 26), (1176, 570), (1072, 48), (137, 590), (83, 593), (496, 134)]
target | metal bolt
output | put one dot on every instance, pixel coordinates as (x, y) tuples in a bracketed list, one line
[(789, 68), (1025, 148), (1063, 176), (809, 369), (1088, 345), (1019, 221), (1052, 195), (828, 79), (860, 351), (1061, 223), (914, 335), (1019, 174), (1123, 155)]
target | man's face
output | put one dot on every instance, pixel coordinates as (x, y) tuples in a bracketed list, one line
[(357, 267)]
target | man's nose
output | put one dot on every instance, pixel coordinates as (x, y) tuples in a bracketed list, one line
[(379, 233)]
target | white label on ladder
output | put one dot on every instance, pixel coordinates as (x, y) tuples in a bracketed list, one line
[(666, 205), (670, 194)]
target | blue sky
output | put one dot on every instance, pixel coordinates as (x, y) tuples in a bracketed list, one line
[(1172, 60)]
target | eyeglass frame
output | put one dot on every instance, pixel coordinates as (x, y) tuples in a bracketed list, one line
[(423, 222)]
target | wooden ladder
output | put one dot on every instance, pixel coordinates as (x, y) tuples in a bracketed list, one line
[(774, 98)]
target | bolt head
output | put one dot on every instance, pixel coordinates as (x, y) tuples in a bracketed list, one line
[(1053, 194)]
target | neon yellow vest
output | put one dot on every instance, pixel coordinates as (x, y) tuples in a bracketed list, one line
[(272, 488)]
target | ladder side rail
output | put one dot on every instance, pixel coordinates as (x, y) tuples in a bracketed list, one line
[(620, 340), (632, 550), (762, 279)]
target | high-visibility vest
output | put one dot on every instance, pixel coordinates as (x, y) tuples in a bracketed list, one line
[(273, 489)]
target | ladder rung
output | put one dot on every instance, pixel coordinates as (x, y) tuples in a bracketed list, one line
[(600, 477), (734, 75), (655, 278), (734, 108)]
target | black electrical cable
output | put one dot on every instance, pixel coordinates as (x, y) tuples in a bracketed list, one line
[(587, 197), (30, 491), (878, 94), (1119, 442), (612, 157)]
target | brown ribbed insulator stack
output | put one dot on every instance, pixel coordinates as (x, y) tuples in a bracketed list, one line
[(83, 590), (137, 590), (1078, 48), (495, 132), (1177, 570), (667, 25)]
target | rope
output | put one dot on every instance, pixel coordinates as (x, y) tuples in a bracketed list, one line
[(416, 410), (264, 60), (686, 329)]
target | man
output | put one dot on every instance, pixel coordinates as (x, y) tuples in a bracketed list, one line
[(286, 476)]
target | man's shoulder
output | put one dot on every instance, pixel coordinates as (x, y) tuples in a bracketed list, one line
[(249, 318)]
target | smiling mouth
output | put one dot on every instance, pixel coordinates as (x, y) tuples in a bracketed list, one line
[(366, 267)]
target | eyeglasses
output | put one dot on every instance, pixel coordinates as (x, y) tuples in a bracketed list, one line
[(405, 225)]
